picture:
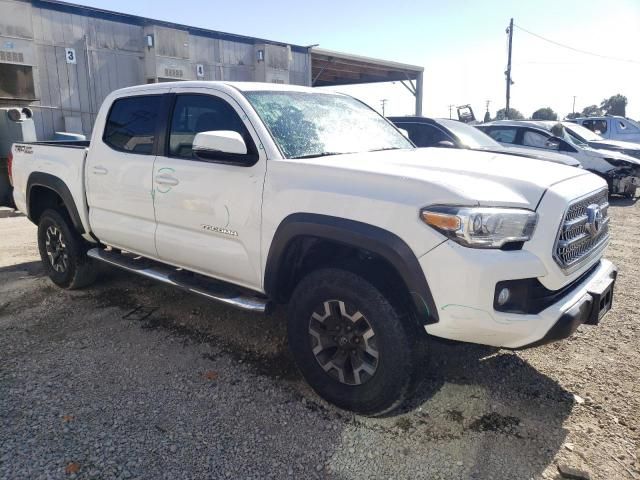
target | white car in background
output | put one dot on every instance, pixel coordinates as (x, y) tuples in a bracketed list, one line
[(622, 172), (442, 132), (612, 127)]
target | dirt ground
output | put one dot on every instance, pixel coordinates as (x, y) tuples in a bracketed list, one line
[(131, 379)]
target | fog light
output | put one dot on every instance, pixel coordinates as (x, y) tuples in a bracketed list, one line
[(503, 296)]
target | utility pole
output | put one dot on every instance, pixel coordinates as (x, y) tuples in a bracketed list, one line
[(383, 102), (574, 104), (508, 72), (487, 115), (450, 110)]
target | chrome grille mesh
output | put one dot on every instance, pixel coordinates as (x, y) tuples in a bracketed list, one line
[(575, 243)]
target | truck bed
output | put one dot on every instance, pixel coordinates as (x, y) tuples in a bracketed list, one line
[(61, 143), (34, 162)]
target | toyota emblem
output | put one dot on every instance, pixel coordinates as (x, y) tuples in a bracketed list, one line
[(594, 219)]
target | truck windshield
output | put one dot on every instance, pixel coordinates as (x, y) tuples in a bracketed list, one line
[(306, 124)]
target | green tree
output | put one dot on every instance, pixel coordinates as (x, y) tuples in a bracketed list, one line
[(513, 114), (616, 105), (574, 115), (592, 111), (545, 113)]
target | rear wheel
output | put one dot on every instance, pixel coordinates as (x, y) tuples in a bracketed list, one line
[(63, 251), (350, 344)]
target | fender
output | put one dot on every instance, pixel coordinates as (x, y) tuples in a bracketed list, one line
[(57, 185), (357, 234)]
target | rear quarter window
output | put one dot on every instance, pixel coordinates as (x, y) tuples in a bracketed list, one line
[(626, 127), (132, 123)]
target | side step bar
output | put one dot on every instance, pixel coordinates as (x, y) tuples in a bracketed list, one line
[(200, 285)]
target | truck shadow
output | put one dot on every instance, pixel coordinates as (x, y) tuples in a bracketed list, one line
[(481, 406), (623, 202), (30, 268), (485, 405), (9, 213), (492, 405)]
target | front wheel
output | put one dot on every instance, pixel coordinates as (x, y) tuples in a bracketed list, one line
[(631, 193), (350, 344), (63, 251)]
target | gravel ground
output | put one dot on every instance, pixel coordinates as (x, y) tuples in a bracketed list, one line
[(131, 379)]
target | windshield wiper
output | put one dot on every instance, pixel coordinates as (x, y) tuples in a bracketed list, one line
[(386, 148), (316, 155)]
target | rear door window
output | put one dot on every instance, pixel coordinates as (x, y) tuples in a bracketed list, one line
[(534, 139), (503, 134), (132, 124)]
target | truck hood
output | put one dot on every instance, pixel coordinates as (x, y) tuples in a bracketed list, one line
[(450, 175)]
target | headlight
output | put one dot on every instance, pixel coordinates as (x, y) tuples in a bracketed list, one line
[(481, 227)]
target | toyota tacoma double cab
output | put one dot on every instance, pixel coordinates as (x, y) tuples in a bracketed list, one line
[(260, 194)]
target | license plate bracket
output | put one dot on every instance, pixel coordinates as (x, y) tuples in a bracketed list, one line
[(602, 295)]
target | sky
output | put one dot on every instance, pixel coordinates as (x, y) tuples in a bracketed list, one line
[(462, 44)]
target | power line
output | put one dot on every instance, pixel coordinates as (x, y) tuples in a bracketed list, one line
[(562, 45)]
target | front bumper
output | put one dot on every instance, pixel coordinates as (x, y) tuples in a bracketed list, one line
[(588, 310), (464, 290)]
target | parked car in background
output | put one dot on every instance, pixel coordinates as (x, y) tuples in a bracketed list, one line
[(622, 172), (584, 135), (442, 132), (612, 127), (254, 194)]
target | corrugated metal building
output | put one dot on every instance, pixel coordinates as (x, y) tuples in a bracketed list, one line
[(64, 59)]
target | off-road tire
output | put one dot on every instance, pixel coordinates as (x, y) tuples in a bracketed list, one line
[(399, 342), (77, 270)]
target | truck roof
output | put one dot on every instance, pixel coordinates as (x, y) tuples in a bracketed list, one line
[(242, 86), (600, 117)]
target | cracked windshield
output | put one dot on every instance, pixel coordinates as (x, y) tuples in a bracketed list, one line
[(306, 125)]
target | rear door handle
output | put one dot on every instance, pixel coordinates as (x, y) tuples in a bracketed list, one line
[(164, 179), (97, 170)]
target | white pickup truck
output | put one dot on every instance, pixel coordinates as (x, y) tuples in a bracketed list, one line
[(261, 194)]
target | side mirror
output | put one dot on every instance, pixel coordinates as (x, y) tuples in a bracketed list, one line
[(445, 144), (223, 146), (220, 141)]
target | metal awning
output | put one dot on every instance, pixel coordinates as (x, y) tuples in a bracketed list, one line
[(329, 68)]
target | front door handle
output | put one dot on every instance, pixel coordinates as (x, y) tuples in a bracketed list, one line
[(164, 179), (98, 170)]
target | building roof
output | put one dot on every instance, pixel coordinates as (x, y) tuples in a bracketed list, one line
[(337, 68), (143, 21)]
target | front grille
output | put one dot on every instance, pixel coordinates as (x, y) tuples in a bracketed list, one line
[(575, 242)]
